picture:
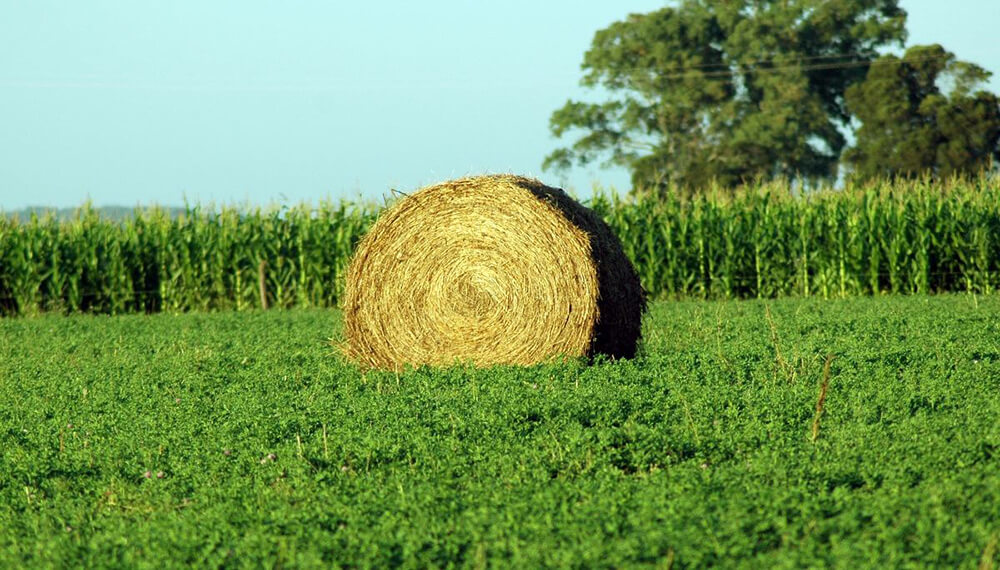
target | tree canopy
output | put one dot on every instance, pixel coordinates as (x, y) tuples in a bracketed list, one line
[(707, 91), (909, 127)]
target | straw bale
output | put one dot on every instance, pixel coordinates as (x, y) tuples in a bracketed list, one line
[(489, 270)]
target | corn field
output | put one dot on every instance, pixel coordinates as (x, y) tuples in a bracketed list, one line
[(201, 260), (905, 237), (900, 238)]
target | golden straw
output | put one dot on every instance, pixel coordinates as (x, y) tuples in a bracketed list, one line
[(489, 270)]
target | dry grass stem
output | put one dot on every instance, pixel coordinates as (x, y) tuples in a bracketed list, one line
[(986, 560), (779, 359), (820, 401)]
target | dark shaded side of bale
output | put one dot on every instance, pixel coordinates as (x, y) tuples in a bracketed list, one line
[(621, 300)]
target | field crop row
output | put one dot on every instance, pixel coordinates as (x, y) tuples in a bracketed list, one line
[(763, 242)]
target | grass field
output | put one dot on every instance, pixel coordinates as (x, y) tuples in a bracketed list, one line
[(240, 440)]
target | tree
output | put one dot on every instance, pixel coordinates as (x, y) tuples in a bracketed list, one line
[(909, 127), (725, 91)]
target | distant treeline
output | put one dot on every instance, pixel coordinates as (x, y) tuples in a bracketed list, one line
[(763, 241), (106, 212)]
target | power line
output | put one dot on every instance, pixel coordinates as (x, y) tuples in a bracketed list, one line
[(692, 72), (773, 59)]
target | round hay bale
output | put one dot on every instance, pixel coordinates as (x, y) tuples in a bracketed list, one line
[(489, 270)]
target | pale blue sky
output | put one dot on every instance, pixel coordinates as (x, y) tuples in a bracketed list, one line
[(128, 102)]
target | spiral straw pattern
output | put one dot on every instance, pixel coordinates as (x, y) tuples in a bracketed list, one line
[(489, 270)]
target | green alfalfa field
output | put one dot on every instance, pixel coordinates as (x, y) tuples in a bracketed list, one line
[(243, 440)]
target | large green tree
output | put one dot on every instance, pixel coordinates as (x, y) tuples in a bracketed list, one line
[(725, 91), (909, 127)]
